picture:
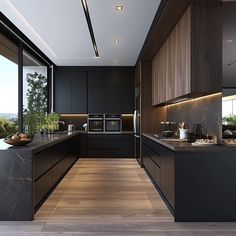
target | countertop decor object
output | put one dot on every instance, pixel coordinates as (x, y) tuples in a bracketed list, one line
[(17, 143)]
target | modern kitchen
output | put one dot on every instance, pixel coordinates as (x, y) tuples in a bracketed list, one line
[(122, 118)]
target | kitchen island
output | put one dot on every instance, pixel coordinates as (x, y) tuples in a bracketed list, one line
[(197, 183), (29, 173)]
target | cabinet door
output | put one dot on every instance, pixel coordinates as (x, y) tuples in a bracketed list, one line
[(83, 145), (62, 78), (150, 165), (111, 91), (79, 100), (78, 78), (111, 145), (42, 186), (63, 99), (171, 67), (95, 98), (167, 177)]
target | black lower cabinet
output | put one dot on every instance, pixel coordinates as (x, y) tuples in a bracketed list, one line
[(159, 163), (110, 145), (153, 169), (197, 184), (50, 165), (83, 145)]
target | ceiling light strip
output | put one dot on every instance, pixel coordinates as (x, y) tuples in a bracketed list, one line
[(86, 12)]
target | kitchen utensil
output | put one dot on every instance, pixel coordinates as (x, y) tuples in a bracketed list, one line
[(71, 128), (183, 133), (191, 138), (198, 131)]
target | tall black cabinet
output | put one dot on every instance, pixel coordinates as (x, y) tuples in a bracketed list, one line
[(70, 90), (111, 91), (94, 89)]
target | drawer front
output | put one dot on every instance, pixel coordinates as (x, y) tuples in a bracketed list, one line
[(44, 160), (153, 155), (153, 169), (42, 186), (111, 145), (156, 147)]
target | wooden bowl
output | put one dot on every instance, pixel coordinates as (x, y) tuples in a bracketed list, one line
[(16, 143)]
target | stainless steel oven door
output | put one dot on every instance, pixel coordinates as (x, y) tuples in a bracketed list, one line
[(113, 125), (95, 125)]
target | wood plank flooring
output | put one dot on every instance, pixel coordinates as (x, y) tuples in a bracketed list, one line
[(110, 189), (108, 197)]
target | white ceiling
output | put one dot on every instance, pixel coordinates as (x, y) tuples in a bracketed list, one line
[(59, 29)]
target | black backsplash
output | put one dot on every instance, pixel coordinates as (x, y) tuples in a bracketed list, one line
[(206, 111), (77, 120)]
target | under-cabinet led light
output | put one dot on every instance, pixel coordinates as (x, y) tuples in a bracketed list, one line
[(195, 99)]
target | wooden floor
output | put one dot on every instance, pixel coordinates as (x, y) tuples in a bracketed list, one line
[(108, 197), (105, 189)]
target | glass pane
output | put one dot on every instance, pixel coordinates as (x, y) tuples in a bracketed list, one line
[(9, 87), (234, 107), (227, 108), (35, 95)]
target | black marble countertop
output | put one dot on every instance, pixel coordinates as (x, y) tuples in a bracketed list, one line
[(40, 141), (111, 133), (183, 146)]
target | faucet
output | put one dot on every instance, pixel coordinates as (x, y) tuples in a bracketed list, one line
[(61, 122)]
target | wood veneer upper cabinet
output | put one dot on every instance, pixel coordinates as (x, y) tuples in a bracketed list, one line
[(171, 65), (189, 62)]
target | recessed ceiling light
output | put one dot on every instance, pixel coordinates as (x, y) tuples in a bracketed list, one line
[(116, 41), (229, 41), (119, 8)]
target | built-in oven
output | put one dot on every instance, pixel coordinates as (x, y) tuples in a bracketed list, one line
[(113, 123), (95, 123)]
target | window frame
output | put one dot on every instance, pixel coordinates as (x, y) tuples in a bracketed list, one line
[(13, 34)]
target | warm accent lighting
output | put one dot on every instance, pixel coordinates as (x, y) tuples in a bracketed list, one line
[(119, 8), (195, 99), (127, 114), (73, 115)]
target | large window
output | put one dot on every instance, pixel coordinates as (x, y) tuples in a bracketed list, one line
[(8, 87), (229, 103), (229, 107), (24, 96), (35, 92)]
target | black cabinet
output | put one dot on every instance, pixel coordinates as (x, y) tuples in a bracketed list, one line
[(111, 91), (94, 90), (110, 145), (50, 165), (83, 145), (159, 163), (63, 99), (70, 91)]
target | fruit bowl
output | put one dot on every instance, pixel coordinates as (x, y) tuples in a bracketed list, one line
[(18, 142)]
